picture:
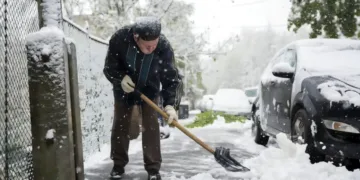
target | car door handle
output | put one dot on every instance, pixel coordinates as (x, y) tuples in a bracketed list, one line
[(272, 83)]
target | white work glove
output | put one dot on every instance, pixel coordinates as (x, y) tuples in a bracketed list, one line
[(126, 84), (172, 114)]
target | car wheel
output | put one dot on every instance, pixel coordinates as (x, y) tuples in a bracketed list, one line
[(301, 128), (260, 137)]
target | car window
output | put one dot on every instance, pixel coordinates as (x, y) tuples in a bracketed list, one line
[(278, 59), (289, 57), (268, 71)]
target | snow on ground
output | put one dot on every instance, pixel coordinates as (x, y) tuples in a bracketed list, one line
[(183, 159), (194, 112)]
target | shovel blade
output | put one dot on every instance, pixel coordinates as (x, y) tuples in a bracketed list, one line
[(222, 156)]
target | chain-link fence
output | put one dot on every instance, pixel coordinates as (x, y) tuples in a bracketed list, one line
[(96, 102), (17, 19)]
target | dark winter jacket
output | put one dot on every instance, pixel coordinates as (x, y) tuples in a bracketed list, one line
[(147, 71)]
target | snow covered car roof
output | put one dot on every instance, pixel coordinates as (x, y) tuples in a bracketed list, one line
[(336, 43), (327, 56), (330, 56)]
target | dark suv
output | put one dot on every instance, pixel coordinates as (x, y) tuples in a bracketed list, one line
[(310, 91)]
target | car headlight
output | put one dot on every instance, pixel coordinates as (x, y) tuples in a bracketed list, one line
[(340, 126)]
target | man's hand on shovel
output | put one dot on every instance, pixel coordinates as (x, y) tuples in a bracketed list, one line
[(171, 112)]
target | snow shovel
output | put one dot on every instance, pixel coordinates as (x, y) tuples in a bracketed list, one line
[(222, 155)]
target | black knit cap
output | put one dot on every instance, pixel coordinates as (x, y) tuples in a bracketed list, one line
[(148, 28)]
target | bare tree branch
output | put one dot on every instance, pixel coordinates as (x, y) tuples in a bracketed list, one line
[(69, 6), (109, 4), (148, 9), (168, 8), (118, 9), (68, 9), (132, 5)]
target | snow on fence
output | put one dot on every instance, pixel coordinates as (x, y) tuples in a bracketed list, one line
[(17, 19), (96, 97)]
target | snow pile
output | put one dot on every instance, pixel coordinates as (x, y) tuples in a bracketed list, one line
[(47, 50), (282, 160), (336, 92), (283, 67), (46, 42), (50, 134), (290, 161)]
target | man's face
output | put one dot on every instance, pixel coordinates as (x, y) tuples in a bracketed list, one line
[(147, 47)]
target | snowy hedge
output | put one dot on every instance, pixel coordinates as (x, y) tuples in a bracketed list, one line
[(208, 118)]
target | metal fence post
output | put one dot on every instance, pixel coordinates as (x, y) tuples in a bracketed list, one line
[(75, 106), (51, 119), (40, 9)]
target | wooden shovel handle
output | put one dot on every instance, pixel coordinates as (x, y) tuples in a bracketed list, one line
[(175, 123)]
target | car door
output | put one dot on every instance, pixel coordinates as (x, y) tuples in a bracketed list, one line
[(267, 107), (281, 94)]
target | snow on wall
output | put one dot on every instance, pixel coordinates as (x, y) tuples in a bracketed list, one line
[(96, 97), (51, 12)]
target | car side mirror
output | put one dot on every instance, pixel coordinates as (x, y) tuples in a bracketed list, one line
[(283, 70)]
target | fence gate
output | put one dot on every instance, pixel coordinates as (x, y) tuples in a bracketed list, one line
[(17, 19)]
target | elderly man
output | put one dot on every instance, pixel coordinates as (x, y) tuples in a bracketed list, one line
[(140, 57)]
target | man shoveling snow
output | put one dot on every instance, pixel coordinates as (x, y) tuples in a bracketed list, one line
[(140, 56)]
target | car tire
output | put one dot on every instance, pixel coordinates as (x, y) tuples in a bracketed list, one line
[(301, 116), (260, 137)]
